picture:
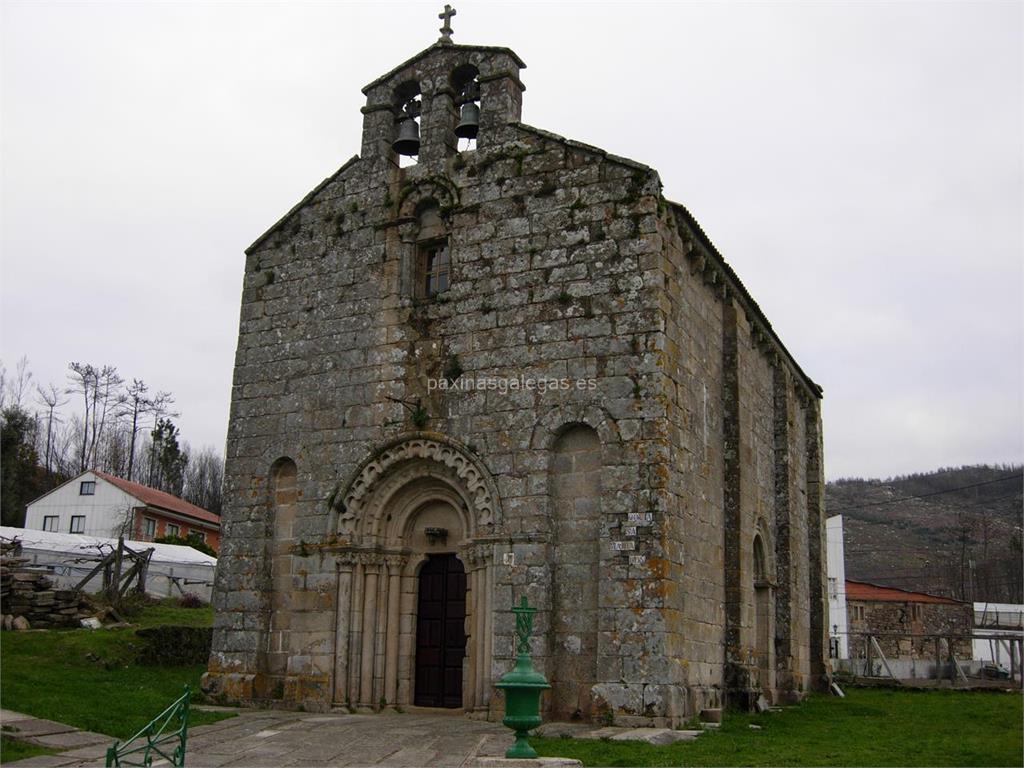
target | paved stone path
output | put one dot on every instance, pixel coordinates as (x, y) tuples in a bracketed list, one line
[(267, 738)]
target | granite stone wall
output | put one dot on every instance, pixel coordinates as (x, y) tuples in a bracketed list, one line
[(911, 630)]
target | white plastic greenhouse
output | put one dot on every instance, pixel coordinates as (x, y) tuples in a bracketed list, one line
[(173, 569)]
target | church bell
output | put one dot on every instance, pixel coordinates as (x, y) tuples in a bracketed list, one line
[(469, 121), (408, 141)]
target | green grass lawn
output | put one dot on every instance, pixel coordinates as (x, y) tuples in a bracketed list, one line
[(89, 679), (870, 727), (163, 612), (11, 750)]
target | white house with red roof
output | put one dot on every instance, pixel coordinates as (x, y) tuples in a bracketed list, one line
[(96, 503)]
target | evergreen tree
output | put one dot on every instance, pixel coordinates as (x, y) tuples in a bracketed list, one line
[(21, 478), (168, 470), (190, 541)]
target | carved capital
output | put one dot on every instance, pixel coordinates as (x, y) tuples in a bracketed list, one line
[(371, 559), (477, 555)]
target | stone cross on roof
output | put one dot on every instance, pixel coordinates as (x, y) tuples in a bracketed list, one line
[(446, 30)]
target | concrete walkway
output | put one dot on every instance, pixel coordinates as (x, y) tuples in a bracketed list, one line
[(47, 733), (270, 738)]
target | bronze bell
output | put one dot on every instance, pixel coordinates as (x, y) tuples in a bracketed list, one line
[(469, 121), (408, 141)]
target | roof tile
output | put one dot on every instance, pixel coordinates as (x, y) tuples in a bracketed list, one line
[(161, 499), (862, 590)]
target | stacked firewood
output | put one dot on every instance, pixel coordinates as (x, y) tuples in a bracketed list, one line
[(27, 597)]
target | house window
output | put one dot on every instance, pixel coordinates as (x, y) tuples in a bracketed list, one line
[(87, 488), (51, 523), (173, 530), (858, 612), (199, 535), (434, 269), (148, 527), (78, 524)]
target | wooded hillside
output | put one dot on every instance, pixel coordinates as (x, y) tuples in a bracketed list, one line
[(954, 532)]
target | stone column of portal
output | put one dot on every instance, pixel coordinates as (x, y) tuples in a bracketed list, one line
[(407, 638), (395, 566), (488, 623), (355, 634), (380, 635), (469, 626), (341, 632), (479, 611), (369, 620)]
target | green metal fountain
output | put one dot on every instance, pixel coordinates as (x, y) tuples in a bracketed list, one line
[(522, 686)]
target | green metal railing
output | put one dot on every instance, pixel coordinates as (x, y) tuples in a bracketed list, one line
[(165, 738)]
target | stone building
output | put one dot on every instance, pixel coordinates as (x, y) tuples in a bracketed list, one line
[(509, 369), (907, 625)]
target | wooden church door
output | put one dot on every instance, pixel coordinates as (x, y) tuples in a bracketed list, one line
[(440, 632)]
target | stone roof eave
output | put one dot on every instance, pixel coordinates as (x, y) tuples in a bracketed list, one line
[(301, 204), (438, 46), (741, 290)]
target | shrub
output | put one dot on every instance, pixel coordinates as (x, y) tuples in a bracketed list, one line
[(174, 646), (192, 541)]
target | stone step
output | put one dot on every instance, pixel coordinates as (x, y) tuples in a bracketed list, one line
[(587, 731), (657, 736)]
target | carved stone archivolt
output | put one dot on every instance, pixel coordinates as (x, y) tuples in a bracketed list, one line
[(413, 485), (364, 500), (435, 189)]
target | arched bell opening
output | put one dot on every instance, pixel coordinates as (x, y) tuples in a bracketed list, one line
[(407, 107), (465, 81)]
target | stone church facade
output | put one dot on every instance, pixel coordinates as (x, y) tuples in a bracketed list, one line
[(514, 369)]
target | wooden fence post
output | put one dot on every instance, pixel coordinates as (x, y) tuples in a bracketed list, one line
[(116, 581)]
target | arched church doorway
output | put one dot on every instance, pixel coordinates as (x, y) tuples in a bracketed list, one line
[(440, 632), (415, 622)]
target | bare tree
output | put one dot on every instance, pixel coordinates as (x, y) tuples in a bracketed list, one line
[(63, 449), (204, 476), (50, 399), (21, 382), (83, 380), (135, 404), (105, 393), (99, 389)]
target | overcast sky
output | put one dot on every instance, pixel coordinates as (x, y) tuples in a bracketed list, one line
[(858, 164)]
